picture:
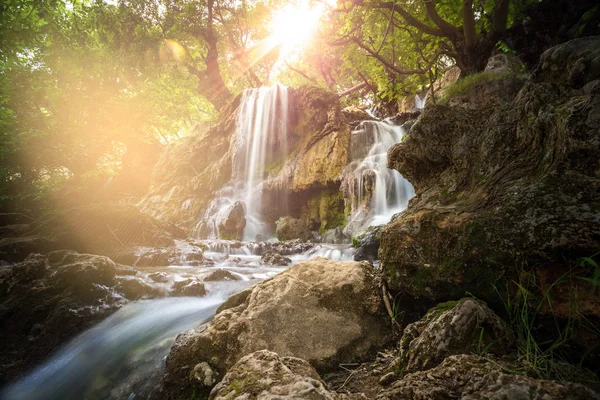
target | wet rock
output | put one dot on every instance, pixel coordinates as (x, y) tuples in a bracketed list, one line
[(46, 300), (473, 377), (110, 230), (160, 277), (156, 257), (13, 230), (15, 249), (463, 327), (335, 236), (317, 297), (136, 288), (367, 244), (126, 270), (188, 287), (289, 228), (295, 246), (221, 275), (271, 257), (266, 375), (231, 221)]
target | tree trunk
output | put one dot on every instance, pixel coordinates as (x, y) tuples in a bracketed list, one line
[(473, 59)]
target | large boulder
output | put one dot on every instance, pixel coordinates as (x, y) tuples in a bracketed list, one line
[(231, 221), (266, 375), (463, 327), (517, 184), (472, 377), (46, 300), (289, 228), (322, 311)]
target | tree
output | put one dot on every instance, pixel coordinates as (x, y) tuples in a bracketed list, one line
[(468, 32)]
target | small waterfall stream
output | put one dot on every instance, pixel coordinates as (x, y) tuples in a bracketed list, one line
[(376, 192)]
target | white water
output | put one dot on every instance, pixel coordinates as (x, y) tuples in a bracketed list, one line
[(261, 140), (111, 350), (122, 357), (377, 192), (420, 102)]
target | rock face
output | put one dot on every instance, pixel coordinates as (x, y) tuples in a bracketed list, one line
[(187, 176), (266, 375), (46, 300), (289, 228), (463, 327), (334, 305), (514, 184), (473, 377)]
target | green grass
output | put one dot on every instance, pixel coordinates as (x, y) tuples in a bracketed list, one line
[(546, 360), (463, 85)]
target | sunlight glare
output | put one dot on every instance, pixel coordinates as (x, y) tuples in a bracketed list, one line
[(293, 26)]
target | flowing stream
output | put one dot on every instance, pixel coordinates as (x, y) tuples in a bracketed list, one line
[(122, 357)]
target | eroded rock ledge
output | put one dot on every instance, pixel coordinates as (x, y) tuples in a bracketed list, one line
[(502, 186)]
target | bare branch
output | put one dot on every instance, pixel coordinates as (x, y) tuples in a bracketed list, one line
[(353, 89)]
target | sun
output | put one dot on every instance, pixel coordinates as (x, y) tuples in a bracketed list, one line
[(293, 26)]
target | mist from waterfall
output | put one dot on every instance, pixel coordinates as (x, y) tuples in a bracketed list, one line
[(376, 192)]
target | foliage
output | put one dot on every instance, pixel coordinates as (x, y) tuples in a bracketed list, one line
[(526, 305), (465, 84)]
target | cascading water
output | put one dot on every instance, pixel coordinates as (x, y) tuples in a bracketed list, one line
[(134, 340), (420, 101), (261, 140), (376, 192), (262, 133)]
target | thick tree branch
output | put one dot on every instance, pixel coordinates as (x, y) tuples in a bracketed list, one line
[(353, 89), (448, 29)]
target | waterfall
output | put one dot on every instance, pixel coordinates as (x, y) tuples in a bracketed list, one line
[(376, 192), (262, 134), (260, 144), (420, 102)]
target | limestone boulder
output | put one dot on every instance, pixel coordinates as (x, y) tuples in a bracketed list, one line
[(322, 311), (231, 221), (473, 377), (463, 327), (266, 375)]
